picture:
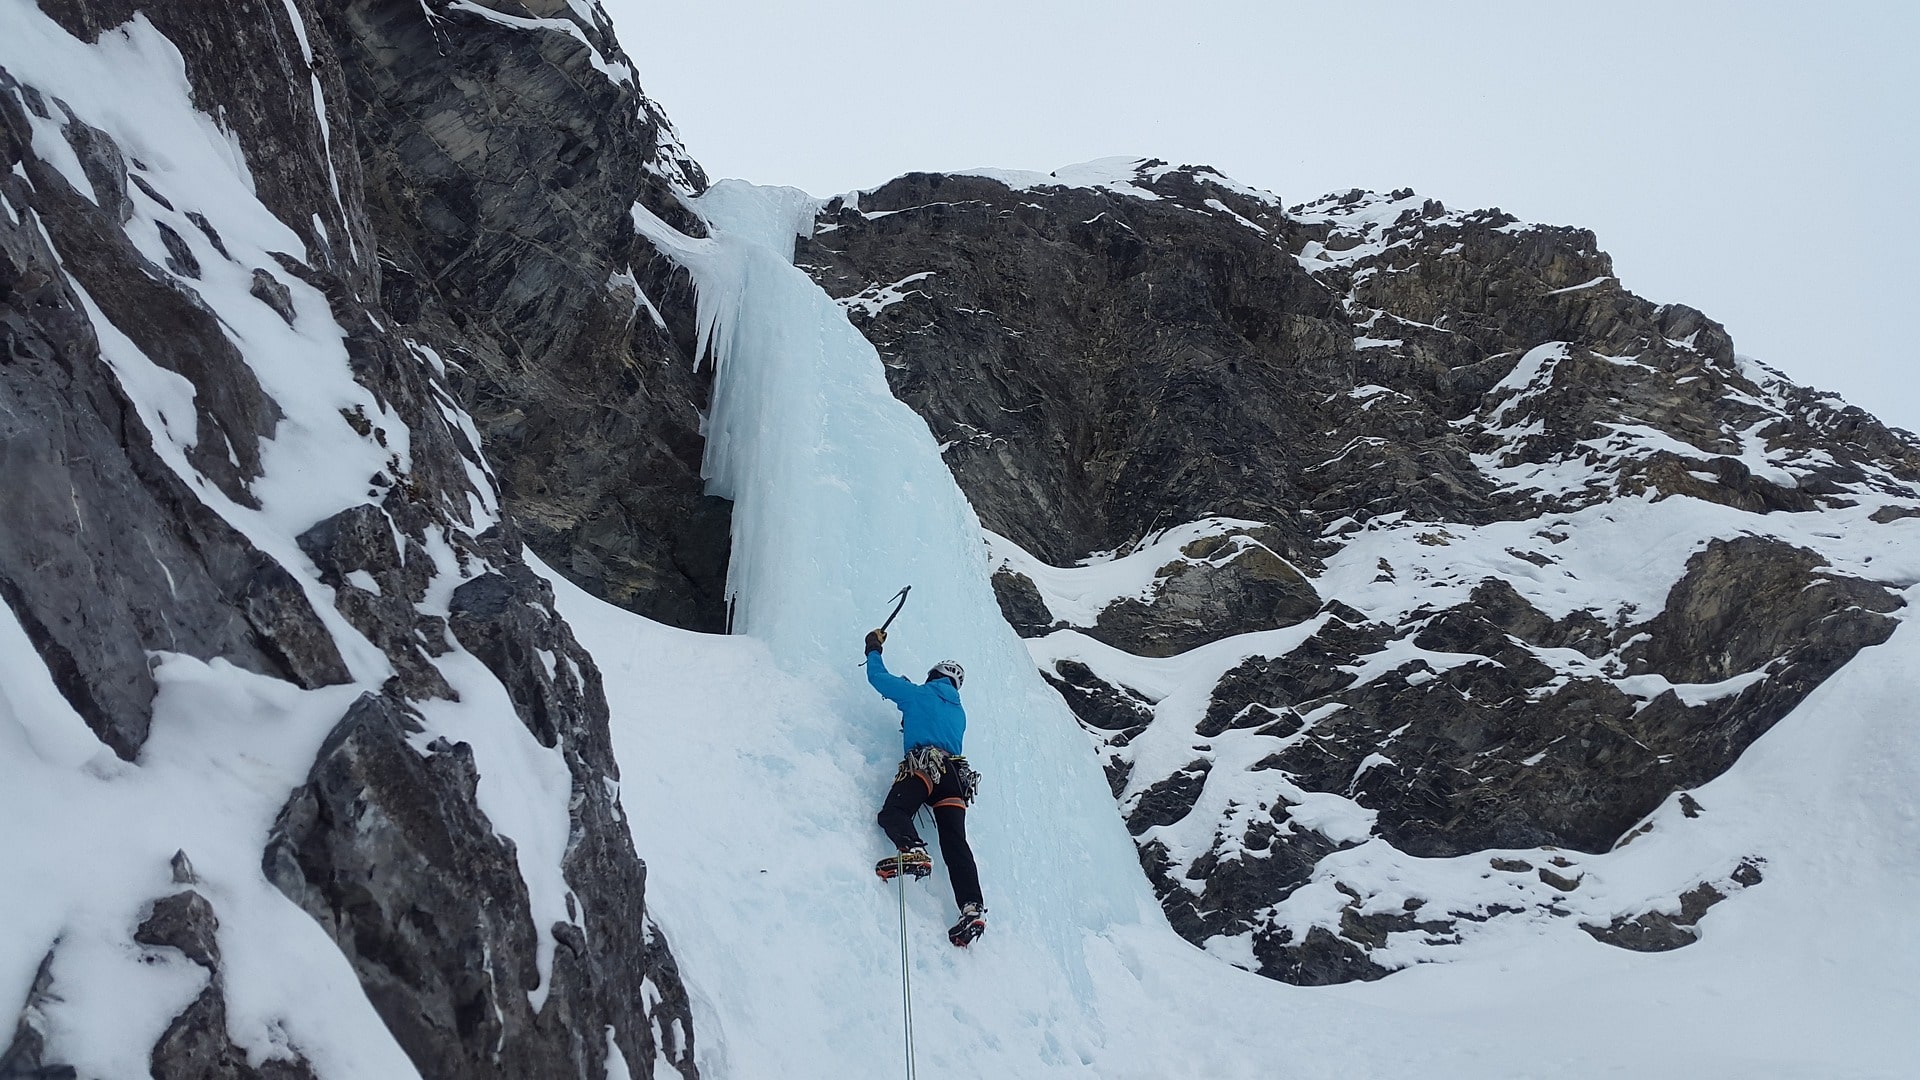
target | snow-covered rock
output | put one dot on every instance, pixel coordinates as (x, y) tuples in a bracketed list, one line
[(300, 773), (1371, 522)]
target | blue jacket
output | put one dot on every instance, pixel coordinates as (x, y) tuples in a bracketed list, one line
[(930, 713)]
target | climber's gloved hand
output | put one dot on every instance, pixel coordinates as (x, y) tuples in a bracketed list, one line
[(875, 639)]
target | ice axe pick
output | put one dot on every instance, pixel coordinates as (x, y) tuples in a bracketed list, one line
[(902, 597)]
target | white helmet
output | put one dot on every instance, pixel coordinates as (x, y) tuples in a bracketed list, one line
[(947, 669)]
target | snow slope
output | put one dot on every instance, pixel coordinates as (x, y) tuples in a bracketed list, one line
[(752, 766)]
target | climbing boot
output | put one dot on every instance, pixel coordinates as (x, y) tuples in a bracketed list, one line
[(973, 923), (913, 861)]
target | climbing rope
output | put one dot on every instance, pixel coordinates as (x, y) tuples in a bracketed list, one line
[(906, 976)]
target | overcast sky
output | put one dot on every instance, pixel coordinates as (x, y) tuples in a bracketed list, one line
[(1756, 160)]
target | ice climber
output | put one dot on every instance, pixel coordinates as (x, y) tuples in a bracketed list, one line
[(933, 773)]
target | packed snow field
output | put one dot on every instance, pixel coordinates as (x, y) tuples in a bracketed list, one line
[(752, 764)]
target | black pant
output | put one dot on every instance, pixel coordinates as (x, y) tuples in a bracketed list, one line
[(949, 814)]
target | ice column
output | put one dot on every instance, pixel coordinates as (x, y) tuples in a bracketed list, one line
[(840, 498)]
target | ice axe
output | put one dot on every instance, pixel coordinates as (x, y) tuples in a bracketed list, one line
[(902, 597)]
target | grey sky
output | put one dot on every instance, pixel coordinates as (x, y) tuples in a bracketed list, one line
[(1755, 160)]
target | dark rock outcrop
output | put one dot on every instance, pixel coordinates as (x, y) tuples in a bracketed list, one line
[(1707, 632), (503, 166), (388, 850), (24, 1057), (1509, 752), (1664, 931), (1034, 321), (1320, 958), (1170, 799), (385, 604), (195, 1045), (1020, 602), (1222, 585), (380, 833), (184, 921)]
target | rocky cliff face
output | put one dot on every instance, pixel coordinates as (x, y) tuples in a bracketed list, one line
[(253, 258), (505, 148), (1401, 533)]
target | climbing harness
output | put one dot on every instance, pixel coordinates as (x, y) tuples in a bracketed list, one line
[(906, 979), (931, 764)]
